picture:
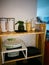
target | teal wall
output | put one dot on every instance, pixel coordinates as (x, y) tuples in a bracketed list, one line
[(43, 11), (43, 8)]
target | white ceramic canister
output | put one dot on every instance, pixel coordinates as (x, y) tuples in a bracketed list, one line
[(10, 25), (4, 25)]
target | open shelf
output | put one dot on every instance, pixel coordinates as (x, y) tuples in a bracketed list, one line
[(21, 57), (16, 58), (40, 44), (21, 33), (5, 52), (22, 52)]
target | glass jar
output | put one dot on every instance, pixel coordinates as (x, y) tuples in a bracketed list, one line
[(28, 26)]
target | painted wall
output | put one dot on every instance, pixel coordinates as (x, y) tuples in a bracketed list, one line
[(43, 8), (20, 10), (43, 11)]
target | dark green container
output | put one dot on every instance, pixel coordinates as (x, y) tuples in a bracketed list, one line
[(20, 26)]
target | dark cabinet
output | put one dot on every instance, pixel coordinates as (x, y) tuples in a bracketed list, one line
[(46, 57)]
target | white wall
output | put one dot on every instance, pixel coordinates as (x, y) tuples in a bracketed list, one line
[(20, 10)]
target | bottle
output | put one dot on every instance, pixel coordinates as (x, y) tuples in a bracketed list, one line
[(28, 25)]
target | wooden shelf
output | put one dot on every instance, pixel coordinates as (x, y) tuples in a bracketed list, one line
[(40, 45), (24, 58), (21, 33)]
